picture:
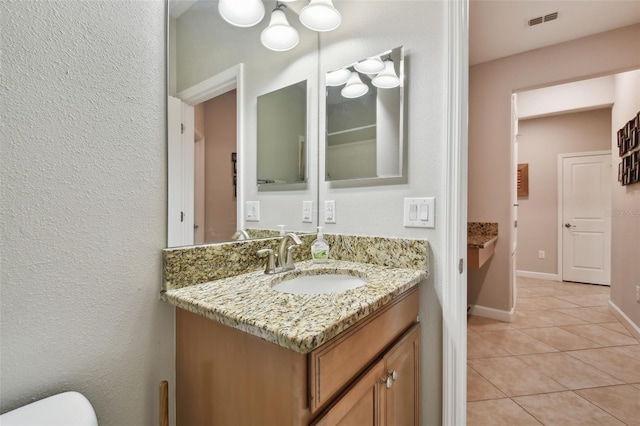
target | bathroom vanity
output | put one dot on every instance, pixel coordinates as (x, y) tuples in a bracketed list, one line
[(248, 354)]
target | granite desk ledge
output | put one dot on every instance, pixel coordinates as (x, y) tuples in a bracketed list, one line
[(481, 241), (297, 322)]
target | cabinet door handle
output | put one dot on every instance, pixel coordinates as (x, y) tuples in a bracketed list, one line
[(387, 382), (393, 374)]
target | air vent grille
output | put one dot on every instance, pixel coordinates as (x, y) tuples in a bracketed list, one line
[(540, 19)]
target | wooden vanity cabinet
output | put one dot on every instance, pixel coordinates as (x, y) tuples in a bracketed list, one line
[(225, 376), (387, 394)]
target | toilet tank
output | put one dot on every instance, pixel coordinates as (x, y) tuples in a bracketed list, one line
[(68, 409)]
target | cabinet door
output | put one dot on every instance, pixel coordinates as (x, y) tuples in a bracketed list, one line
[(402, 399), (360, 404)]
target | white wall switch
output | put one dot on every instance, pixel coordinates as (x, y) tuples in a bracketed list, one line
[(330, 211), (252, 211), (307, 211), (541, 254), (419, 212)]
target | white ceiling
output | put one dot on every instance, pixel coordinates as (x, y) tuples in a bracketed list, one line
[(498, 28)]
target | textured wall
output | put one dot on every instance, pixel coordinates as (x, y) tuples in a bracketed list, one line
[(83, 205)]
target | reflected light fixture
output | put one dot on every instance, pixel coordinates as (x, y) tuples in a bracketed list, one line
[(388, 78), (372, 65), (355, 87), (338, 77), (320, 15), (279, 35), (241, 13)]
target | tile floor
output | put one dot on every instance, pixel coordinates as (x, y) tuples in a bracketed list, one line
[(564, 360)]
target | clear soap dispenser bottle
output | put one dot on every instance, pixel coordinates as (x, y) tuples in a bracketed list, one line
[(319, 248)]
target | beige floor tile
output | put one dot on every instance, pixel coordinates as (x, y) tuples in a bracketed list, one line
[(528, 304), (475, 322), (616, 326), (560, 339), (548, 302), (632, 351), (498, 412), (554, 318), (569, 371), (479, 347), (610, 361), (542, 291), (600, 335), (636, 385), (594, 314), (513, 377), (479, 388), (622, 402), (587, 300), (515, 342), (565, 409)]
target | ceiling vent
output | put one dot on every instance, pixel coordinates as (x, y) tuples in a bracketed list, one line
[(540, 19)]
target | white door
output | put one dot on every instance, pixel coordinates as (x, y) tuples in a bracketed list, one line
[(180, 173), (585, 225), (514, 197)]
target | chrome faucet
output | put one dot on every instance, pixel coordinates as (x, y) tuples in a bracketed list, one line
[(240, 234), (285, 259)]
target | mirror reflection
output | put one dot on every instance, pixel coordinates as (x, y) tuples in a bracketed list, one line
[(364, 122), (282, 137), (211, 58)]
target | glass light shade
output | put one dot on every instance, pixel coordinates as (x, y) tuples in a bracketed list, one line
[(372, 65), (279, 35), (355, 87), (338, 78), (320, 15), (387, 79), (241, 13)]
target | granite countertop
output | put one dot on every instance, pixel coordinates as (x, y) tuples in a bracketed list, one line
[(297, 322), (480, 241)]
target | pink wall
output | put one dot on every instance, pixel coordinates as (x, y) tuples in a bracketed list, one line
[(625, 220), (490, 87), (220, 142)]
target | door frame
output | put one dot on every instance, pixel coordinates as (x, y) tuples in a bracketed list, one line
[(559, 230), (219, 84)]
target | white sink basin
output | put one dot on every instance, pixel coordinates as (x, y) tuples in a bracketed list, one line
[(319, 284)]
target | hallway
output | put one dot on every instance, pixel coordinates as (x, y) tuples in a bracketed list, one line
[(564, 360)]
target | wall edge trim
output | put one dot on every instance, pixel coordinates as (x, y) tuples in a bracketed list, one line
[(538, 275), (625, 320), (496, 314)]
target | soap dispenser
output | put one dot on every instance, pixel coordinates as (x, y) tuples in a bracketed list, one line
[(319, 248)]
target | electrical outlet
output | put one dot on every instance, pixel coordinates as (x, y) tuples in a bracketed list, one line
[(330, 211), (638, 293), (252, 211), (307, 211), (541, 254)]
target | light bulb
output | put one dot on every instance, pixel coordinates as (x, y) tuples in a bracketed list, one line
[(372, 65), (241, 13), (320, 15), (338, 77), (387, 79), (279, 35), (355, 87)]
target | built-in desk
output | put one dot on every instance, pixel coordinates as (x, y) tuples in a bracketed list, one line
[(481, 242)]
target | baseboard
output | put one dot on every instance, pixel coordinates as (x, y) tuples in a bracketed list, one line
[(496, 314), (538, 275), (625, 320)]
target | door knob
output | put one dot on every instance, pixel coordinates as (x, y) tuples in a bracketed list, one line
[(568, 225)]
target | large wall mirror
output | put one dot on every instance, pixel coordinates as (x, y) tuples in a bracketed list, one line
[(219, 77), (282, 138), (364, 119)]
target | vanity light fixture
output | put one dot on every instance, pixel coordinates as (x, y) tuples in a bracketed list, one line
[(388, 78), (241, 13), (338, 77), (354, 87), (320, 15), (372, 65), (279, 35)]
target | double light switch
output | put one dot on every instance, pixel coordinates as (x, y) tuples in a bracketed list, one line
[(419, 212)]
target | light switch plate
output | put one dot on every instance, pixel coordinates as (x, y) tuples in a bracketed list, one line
[(419, 212), (307, 211), (252, 211), (330, 211)]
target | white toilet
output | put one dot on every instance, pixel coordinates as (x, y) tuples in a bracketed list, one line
[(68, 409)]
